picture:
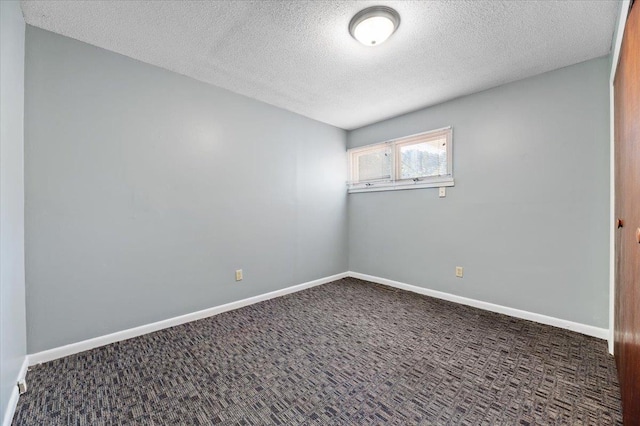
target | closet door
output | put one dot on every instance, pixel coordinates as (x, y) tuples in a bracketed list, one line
[(627, 208)]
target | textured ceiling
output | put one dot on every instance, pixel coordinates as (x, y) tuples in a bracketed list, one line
[(298, 55)]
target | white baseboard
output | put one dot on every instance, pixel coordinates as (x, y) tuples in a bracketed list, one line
[(589, 330), (13, 399), (85, 345)]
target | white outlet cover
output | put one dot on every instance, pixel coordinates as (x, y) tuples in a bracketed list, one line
[(442, 191)]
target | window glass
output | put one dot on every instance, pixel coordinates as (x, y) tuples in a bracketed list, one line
[(374, 165), (423, 159)]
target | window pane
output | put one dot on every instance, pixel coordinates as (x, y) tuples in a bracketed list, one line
[(424, 159), (374, 165)]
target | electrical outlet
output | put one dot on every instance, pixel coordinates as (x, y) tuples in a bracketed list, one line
[(22, 386), (459, 271), (238, 274), (442, 191)]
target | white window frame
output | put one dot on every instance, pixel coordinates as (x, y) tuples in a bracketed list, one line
[(394, 182)]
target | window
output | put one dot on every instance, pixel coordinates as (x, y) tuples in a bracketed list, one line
[(417, 161)]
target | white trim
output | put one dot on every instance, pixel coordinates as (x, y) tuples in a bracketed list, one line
[(440, 130), (85, 345), (13, 399), (589, 330), (622, 20), (62, 351), (405, 184)]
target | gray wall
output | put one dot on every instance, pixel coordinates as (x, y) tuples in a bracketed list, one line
[(12, 303), (528, 217), (145, 190)]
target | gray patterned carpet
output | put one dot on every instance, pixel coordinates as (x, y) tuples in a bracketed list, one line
[(345, 353)]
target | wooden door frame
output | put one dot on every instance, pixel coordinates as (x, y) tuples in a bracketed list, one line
[(618, 35)]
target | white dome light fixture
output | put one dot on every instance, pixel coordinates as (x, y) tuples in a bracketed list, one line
[(373, 25)]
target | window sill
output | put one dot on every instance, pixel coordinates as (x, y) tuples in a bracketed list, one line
[(400, 186)]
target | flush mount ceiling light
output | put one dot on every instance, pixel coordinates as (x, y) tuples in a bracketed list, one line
[(373, 25)]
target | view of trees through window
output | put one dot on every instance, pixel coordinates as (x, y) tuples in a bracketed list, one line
[(424, 159)]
